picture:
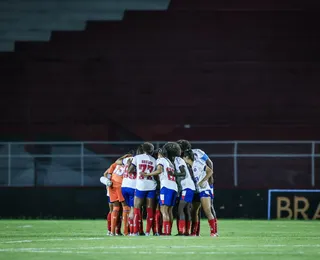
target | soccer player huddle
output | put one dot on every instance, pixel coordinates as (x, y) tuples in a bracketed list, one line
[(157, 180)]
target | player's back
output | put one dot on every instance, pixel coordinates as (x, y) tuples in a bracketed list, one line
[(144, 163), (167, 177), (187, 182), (129, 179), (200, 155), (117, 176)]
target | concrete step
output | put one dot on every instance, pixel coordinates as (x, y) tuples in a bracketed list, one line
[(25, 35), (6, 45), (31, 5)]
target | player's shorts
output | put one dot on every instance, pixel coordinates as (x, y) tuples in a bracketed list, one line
[(206, 194), (167, 197), (187, 195), (150, 194), (128, 194), (212, 191), (115, 194)]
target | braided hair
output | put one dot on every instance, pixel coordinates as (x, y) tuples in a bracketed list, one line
[(189, 153), (171, 150)]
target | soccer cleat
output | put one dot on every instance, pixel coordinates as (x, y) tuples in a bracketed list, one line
[(214, 235), (142, 234), (119, 234), (147, 234), (111, 234), (179, 234), (156, 234)]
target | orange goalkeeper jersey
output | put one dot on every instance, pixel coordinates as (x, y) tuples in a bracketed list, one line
[(116, 172)]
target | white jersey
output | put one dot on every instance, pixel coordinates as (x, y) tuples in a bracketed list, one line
[(200, 155), (167, 177), (145, 163), (199, 172), (187, 182), (129, 179)]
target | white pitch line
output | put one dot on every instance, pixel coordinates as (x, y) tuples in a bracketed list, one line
[(51, 239), (67, 251)]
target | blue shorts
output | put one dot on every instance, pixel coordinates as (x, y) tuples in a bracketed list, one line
[(206, 194), (128, 194), (187, 195), (141, 194), (167, 197), (212, 190)]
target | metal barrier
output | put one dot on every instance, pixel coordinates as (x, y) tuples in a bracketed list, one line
[(81, 163)]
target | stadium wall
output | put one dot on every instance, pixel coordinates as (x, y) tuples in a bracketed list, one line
[(69, 203), (91, 203)]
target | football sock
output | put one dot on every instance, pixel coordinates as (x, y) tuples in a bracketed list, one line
[(212, 226), (114, 219), (166, 227), (188, 225), (141, 223), (157, 222), (149, 219), (109, 221), (136, 220), (182, 227), (198, 228), (125, 217), (119, 222)]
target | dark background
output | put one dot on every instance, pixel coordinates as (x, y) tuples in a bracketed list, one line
[(201, 70)]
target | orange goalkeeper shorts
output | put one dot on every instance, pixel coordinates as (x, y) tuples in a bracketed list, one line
[(115, 194)]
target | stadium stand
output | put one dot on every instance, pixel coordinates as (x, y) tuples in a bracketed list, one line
[(226, 71)]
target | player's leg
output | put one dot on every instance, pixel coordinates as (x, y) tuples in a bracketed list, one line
[(214, 211), (206, 205), (125, 213), (150, 210), (114, 217), (184, 211), (182, 218), (166, 219), (187, 212), (196, 205), (131, 204), (138, 202), (157, 216)]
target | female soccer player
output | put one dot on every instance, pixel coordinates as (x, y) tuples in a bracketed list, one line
[(186, 197), (128, 186), (198, 154), (168, 192), (145, 186), (202, 173)]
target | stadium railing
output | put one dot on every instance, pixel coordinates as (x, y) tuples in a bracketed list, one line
[(239, 163)]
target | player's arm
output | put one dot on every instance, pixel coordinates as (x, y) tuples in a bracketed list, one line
[(182, 172), (209, 173), (132, 167), (154, 173), (209, 163), (119, 161)]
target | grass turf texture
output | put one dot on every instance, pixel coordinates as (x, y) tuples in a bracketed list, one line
[(86, 239)]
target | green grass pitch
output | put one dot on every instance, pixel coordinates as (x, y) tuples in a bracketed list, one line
[(86, 239)]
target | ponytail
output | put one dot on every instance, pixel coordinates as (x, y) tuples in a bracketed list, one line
[(188, 153)]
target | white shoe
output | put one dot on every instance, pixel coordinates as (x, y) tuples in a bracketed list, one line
[(147, 234)]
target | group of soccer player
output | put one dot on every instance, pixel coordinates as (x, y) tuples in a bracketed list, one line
[(157, 180)]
